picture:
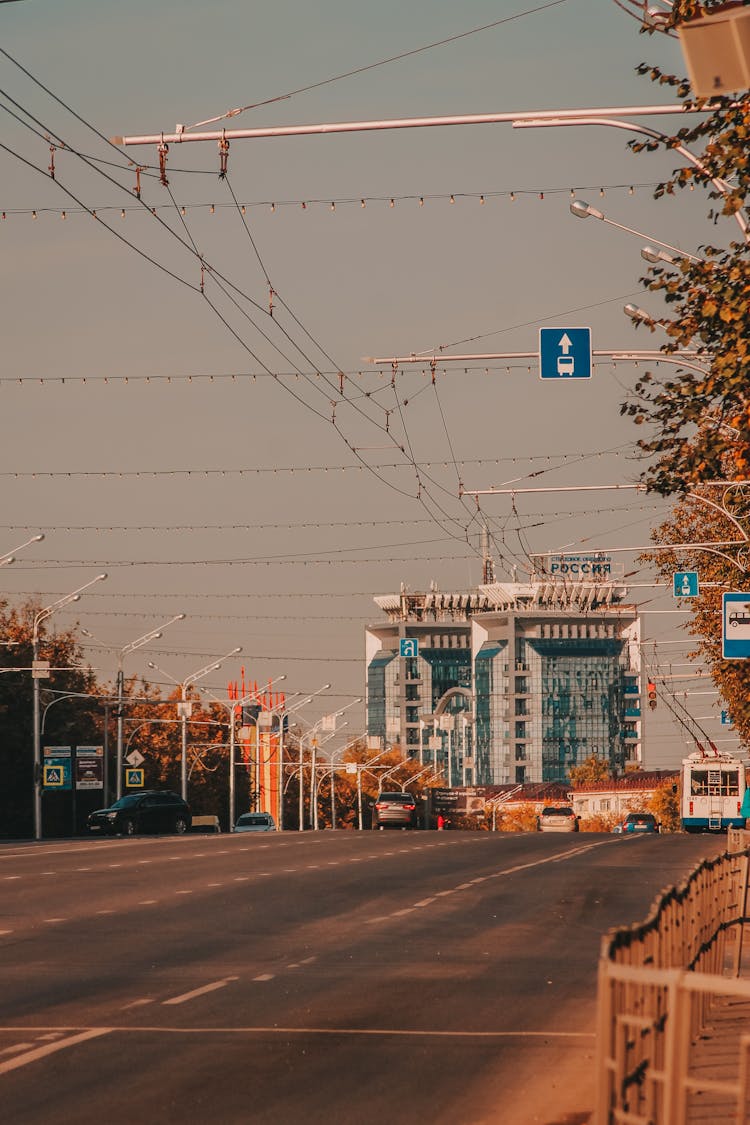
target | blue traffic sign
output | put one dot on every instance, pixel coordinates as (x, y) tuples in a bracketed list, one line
[(726, 719), (685, 584), (565, 353), (735, 626), (408, 646), (134, 779)]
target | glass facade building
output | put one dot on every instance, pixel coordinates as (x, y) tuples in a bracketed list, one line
[(513, 684)]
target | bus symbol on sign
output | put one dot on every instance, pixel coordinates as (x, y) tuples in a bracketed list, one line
[(408, 647), (685, 584), (735, 626), (565, 353)]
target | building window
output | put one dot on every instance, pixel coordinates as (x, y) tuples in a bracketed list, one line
[(520, 752), (520, 775)]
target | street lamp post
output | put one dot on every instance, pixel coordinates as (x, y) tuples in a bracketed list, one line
[(231, 707), (183, 707), (43, 614), (152, 635)]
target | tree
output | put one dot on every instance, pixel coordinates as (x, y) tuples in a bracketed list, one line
[(701, 415), (665, 805), (593, 769), (721, 520), (69, 710)]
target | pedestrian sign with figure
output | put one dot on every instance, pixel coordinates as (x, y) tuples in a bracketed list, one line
[(134, 779)]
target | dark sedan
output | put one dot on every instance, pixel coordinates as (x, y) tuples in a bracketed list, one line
[(150, 812)]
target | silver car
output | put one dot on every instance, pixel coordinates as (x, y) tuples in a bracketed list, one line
[(255, 822), (396, 809), (557, 818)]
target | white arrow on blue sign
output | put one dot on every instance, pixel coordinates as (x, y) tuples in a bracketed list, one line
[(685, 584), (408, 646), (565, 353)]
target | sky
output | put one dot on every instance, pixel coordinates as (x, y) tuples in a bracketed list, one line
[(200, 450)]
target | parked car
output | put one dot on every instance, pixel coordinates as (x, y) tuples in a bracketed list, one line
[(154, 810), (255, 822), (557, 818), (396, 809), (637, 822)]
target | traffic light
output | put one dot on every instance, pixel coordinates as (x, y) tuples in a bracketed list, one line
[(651, 692)]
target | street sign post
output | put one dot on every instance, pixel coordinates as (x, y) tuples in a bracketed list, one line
[(57, 767), (685, 584), (735, 625), (565, 353)]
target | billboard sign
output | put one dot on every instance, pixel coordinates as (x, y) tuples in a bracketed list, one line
[(89, 767)]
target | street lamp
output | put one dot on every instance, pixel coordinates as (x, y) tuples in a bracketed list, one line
[(10, 557), (36, 674), (183, 706), (152, 635), (230, 706), (583, 210)]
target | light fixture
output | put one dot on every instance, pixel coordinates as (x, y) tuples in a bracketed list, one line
[(651, 254), (583, 210), (211, 209)]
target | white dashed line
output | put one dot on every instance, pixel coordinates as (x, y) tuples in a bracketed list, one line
[(11, 877), (88, 868), (215, 884), (398, 913), (199, 991), (3, 933), (136, 1004), (105, 912), (148, 902), (241, 878), (308, 960), (264, 976), (51, 920), (40, 1052), (183, 892), (108, 865), (424, 902)]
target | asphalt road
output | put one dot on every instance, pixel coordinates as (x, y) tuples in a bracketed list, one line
[(332, 977)]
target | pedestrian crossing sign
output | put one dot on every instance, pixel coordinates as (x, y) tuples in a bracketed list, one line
[(54, 777), (134, 779)]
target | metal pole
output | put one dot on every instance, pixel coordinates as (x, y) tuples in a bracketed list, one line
[(118, 785), (183, 759), (37, 748), (105, 772), (359, 797), (280, 805), (301, 827), (333, 797), (181, 136), (232, 795), (313, 793)]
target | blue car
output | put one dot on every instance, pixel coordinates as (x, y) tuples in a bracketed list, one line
[(637, 822)]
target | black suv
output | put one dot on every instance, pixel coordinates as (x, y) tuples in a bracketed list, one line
[(151, 811)]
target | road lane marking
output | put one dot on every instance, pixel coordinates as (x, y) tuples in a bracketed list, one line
[(137, 1003), (15, 1048), (215, 884), (185, 996), (375, 1032), (309, 960), (105, 912), (241, 878), (264, 976), (424, 902), (183, 892), (55, 919), (148, 902), (4, 932), (50, 1048), (9, 877)]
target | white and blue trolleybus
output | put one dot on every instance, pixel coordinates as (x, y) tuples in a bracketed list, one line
[(712, 787)]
